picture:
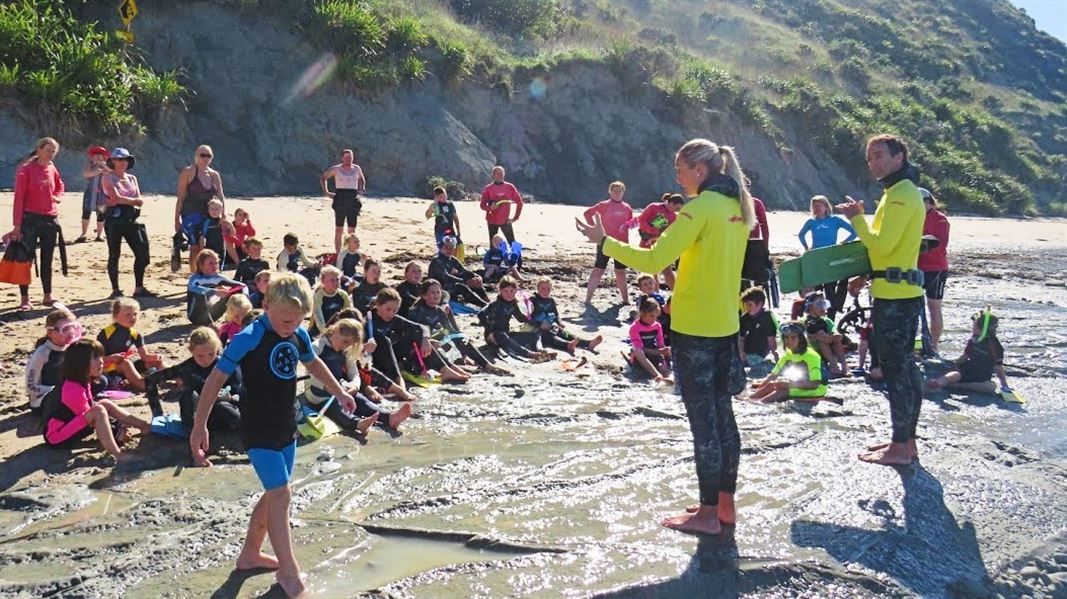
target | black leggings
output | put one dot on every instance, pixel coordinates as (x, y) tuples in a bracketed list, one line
[(509, 233), (474, 297), (137, 238), (467, 348), (835, 293), (40, 231), (384, 360), (225, 416), (504, 341), (558, 338), (707, 369)]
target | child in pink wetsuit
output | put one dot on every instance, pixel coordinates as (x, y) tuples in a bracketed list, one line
[(646, 338), (653, 221), (72, 414), (615, 215)]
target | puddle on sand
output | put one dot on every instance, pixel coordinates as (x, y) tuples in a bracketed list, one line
[(385, 559)]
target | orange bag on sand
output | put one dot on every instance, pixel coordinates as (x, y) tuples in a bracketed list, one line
[(16, 266)]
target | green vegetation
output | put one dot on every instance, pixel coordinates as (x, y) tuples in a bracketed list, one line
[(73, 76)]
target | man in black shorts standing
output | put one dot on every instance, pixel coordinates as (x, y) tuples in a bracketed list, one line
[(934, 264), (348, 184)]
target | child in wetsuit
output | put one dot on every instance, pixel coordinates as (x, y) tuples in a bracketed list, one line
[(293, 259), (237, 308), (499, 260), (496, 320), (461, 284), (646, 284), (93, 200), (983, 356), (369, 288), (242, 231), (215, 230), (121, 341), (444, 331), (268, 353), (797, 375), (329, 299), (73, 414), (759, 328), (204, 349), (545, 317), (339, 348), (369, 374), (646, 338), (349, 260), (443, 211), (259, 289), (404, 346), (44, 368), (823, 337), (410, 288), (204, 303), (252, 264)]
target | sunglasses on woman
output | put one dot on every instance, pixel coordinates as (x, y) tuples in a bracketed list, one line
[(206, 156)]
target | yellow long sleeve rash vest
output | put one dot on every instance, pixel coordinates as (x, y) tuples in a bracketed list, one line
[(894, 236)]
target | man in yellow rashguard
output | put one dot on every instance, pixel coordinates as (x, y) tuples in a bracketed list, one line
[(892, 241)]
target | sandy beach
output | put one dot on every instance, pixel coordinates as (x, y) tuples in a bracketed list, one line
[(551, 483)]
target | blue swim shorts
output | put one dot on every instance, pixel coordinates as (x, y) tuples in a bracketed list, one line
[(274, 467)]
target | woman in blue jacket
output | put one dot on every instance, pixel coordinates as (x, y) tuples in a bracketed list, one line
[(824, 228)]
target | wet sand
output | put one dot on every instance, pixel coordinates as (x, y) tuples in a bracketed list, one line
[(551, 484)]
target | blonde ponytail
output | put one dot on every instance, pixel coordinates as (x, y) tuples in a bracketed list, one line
[(732, 169)]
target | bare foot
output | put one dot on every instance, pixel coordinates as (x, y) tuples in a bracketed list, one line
[(913, 448), (571, 346), (399, 416), (896, 454), (498, 370), (933, 385), (704, 520), (364, 425), (595, 341), (292, 585), (253, 562), (727, 509), (123, 435)]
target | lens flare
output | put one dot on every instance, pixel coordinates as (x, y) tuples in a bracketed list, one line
[(313, 77), (538, 88)]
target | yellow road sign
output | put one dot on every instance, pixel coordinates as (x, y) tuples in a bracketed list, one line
[(128, 11), (126, 36)]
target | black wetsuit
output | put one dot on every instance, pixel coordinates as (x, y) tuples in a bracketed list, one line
[(409, 294), (248, 268), (444, 219), (556, 337), (755, 330), (211, 233), (442, 324), (980, 359), (453, 276), (338, 364), (496, 318), (225, 415), (397, 340), (364, 294)]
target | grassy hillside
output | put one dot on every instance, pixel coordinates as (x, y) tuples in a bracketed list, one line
[(976, 89)]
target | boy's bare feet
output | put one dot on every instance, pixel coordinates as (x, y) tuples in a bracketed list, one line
[(595, 341), (292, 585), (399, 416), (364, 425), (705, 520), (894, 454), (913, 447), (253, 562), (727, 509), (571, 346)]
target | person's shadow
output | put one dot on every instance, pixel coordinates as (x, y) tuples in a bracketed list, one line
[(713, 571), (930, 553)]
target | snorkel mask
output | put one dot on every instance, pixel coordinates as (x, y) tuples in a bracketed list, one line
[(988, 320), (794, 328)]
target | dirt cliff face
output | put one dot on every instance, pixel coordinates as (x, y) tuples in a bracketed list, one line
[(562, 134)]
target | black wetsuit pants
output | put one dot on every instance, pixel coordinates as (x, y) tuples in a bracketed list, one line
[(467, 295), (895, 322), (505, 341), (506, 229), (709, 372), (136, 237), (467, 348), (364, 409), (225, 416), (40, 231), (835, 292), (558, 338)]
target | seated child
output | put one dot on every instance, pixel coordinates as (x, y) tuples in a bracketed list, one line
[(204, 301), (429, 312), (402, 345), (647, 286), (349, 259), (496, 318), (121, 341), (369, 288), (409, 288), (983, 356), (237, 308), (329, 299), (44, 369), (461, 284), (339, 347), (646, 338), (759, 328), (823, 338), (293, 259), (261, 283), (73, 414), (253, 263), (214, 231), (798, 373), (545, 317), (242, 232), (204, 349), (371, 375), (499, 261)]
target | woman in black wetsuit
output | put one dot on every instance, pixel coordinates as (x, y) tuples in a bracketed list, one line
[(198, 183)]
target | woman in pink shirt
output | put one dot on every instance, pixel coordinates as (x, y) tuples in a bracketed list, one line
[(37, 190), (615, 214)]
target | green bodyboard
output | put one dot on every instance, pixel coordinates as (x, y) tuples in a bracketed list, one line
[(824, 265)]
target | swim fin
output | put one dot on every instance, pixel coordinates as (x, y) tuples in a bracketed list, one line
[(421, 380), (1011, 396)]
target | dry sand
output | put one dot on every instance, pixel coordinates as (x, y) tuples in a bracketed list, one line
[(1031, 254)]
